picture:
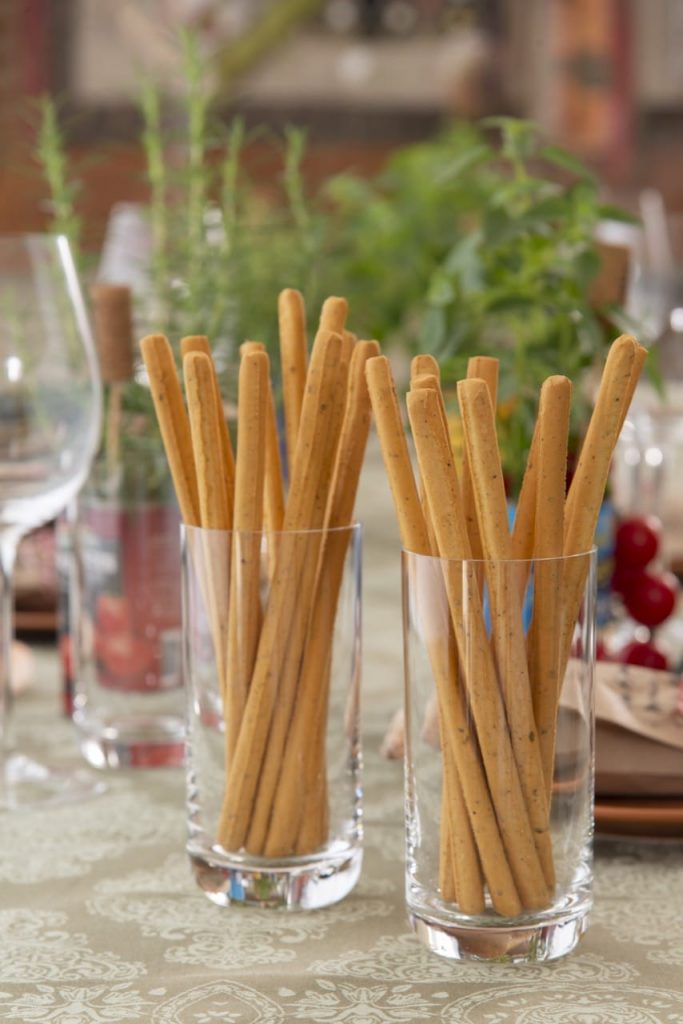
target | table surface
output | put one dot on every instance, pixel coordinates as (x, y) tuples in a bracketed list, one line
[(100, 919)]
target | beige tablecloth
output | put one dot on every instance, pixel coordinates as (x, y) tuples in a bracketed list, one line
[(100, 920)]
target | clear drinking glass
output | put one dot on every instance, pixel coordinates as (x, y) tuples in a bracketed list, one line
[(129, 701), (499, 663), (272, 666), (50, 408)]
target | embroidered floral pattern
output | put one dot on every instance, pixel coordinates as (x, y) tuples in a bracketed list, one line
[(35, 946)]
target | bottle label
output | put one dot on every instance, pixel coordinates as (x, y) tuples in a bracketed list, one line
[(131, 594)]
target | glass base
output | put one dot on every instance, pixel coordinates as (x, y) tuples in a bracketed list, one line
[(126, 742), (28, 784), (523, 943), (302, 885)]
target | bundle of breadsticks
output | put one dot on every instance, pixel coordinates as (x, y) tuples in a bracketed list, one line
[(498, 697), (272, 654)]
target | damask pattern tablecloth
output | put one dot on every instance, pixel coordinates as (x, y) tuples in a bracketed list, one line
[(100, 920)]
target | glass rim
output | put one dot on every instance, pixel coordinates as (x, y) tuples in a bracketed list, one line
[(355, 527), (589, 554)]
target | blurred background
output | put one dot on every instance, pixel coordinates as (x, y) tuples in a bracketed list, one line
[(602, 77), (206, 153)]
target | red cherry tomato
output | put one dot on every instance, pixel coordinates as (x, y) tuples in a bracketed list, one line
[(652, 599), (625, 578), (637, 541), (601, 652), (645, 654)]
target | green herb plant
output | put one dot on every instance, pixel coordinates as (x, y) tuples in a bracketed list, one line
[(463, 246)]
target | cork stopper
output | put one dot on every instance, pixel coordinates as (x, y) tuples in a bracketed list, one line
[(112, 317)]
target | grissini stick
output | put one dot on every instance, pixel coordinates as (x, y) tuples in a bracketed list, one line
[(457, 859), (274, 492), (206, 444), (506, 810), (311, 546), (245, 574), (200, 343), (424, 363), (213, 496), (303, 750), (293, 360), (545, 641), (394, 446), (414, 538), (333, 316), (482, 368), (173, 423), (638, 364), (587, 489), (506, 611), (523, 526), (310, 465)]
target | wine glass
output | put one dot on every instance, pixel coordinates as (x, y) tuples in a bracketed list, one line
[(50, 412)]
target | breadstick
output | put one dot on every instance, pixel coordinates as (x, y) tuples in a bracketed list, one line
[(206, 444), (394, 446), (414, 538), (582, 508), (245, 575), (200, 343), (301, 513), (274, 493), (523, 526), (293, 358), (333, 316), (173, 423), (424, 363), (213, 497), (476, 661), (292, 811), (458, 860), (506, 613), (482, 368), (545, 641), (289, 676)]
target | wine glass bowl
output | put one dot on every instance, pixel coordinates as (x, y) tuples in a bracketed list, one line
[(50, 413)]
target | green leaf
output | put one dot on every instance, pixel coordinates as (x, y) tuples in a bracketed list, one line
[(433, 329), (567, 161), (609, 211)]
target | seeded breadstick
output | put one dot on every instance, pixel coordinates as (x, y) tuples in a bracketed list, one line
[(290, 671), (523, 527), (459, 867), (545, 640), (333, 315), (306, 735), (476, 661), (245, 576), (424, 363), (293, 358), (414, 538), (506, 613), (212, 491), (273, 494), (301, 513), (482, 368), (586, 492), (173, 423), (200, 343)]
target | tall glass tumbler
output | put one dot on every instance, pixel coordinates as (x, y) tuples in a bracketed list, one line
[(499, 661), (272, 659)]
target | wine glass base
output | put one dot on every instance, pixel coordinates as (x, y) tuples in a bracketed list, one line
[(28, 784)]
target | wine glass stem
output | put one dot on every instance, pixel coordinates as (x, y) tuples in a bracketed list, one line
[(8, 553)]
